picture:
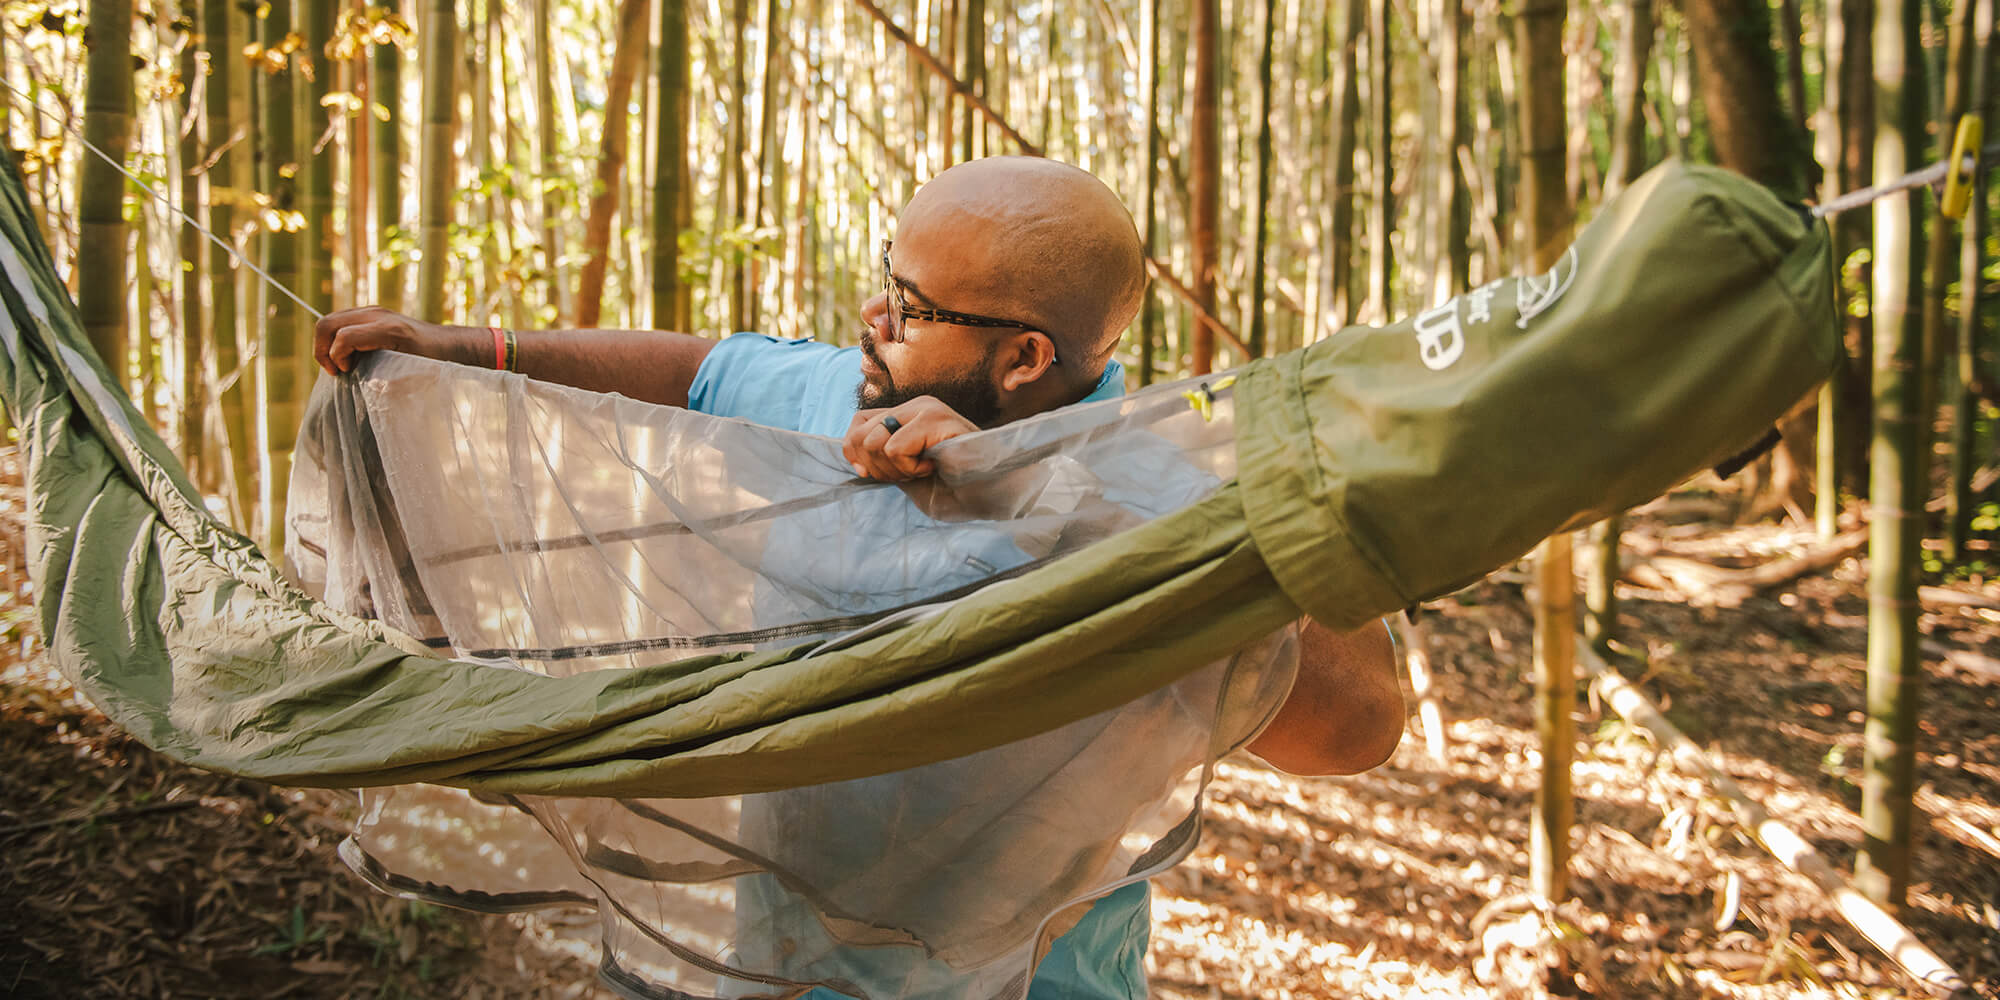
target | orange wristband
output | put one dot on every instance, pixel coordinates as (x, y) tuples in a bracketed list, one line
[(503, 349)]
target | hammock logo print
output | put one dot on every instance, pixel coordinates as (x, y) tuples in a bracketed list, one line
[(1440, 340), (1536, 293), (1441, 336)]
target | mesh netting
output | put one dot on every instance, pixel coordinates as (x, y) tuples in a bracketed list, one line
[(541, 528)]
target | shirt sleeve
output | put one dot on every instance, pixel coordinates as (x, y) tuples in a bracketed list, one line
[(779, 383)]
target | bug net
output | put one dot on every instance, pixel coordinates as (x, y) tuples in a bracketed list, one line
[(536, 527)]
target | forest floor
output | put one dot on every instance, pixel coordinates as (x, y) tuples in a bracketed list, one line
[(130, 876)]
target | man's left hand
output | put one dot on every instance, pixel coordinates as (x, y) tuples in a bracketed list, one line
[(889, 444)]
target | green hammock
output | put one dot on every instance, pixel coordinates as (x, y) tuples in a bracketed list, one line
[(1377, 468)]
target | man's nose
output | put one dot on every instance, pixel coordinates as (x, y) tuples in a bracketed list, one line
[(875, 313)]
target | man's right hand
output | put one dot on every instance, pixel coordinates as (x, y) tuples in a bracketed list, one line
[(339, 335)]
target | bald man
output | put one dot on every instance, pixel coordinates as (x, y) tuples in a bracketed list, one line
[(1007, 287)]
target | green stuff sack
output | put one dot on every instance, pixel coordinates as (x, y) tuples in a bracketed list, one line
[(1371, 470), (1386, 466)]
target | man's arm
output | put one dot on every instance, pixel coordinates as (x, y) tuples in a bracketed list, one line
[(650, 365), (1345, 712)]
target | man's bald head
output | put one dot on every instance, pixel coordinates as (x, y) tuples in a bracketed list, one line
[(1035, 240)]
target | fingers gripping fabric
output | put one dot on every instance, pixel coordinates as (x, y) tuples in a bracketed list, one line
[(746, 702)]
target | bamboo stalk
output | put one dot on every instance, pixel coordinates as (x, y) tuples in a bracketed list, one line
[(439, 164), (279, 395), (1204, 177), (1898, 476), (386, 87), (1546, 211), (1971, 262), (101, 254), (670, 159), (188, 177), (1880, 928), (1415, 640), (632, 41)]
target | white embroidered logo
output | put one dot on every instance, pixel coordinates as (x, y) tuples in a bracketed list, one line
[(1537, 293), (1440, 340)]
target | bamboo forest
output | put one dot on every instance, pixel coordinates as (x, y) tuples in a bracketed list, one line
[(1739, 740)]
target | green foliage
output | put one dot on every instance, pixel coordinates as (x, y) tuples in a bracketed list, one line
[(373, 25), (1854, 281), (295, 936)]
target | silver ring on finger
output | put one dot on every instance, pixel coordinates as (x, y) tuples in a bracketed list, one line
[(892, 424)]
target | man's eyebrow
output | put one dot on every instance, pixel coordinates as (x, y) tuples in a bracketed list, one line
[(911, 287)]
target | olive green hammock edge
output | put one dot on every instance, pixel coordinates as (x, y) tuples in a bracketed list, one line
[(1379, 467)]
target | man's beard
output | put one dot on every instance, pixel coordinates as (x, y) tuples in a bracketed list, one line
[(971, 395)]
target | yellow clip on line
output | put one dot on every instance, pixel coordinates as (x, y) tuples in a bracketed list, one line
[(1202, 397), (1958, 180)]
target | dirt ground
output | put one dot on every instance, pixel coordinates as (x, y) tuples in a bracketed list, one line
[(130, 876)]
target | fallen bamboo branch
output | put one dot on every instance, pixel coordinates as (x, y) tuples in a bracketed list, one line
[(1707, 584), (1969, 661), (1956, 598), (108, 815), (1883, 931)]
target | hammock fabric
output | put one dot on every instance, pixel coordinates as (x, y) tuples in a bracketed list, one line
[(1149, 544)]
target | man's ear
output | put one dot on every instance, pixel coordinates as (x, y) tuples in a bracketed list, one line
[(1030, 354)]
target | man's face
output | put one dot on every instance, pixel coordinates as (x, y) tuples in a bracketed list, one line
[(959, 365), (971, 391)]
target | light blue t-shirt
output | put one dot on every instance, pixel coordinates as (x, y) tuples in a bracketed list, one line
[(809, 386), (803, 385)]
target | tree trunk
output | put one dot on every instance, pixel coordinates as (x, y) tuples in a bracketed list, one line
[(228, 176), (769, 176), (669, 159), (101, 256), (1259, 206), (733, 155), (387, 100), (1940, 251), (188, 176), (145, 352), (1345, 122), (1547, 215), (1628, 161), (278, 398), (1454, 213), (436, 188), (1790, 36), (1897, 486), (1628, 96), (1849, 131), (318, 150), (971, 133), (1149, 175), (1738, 81), (1205, 174), (1835, 100), (545, 150), (604, 195), (1971, 263), (1381, 253)]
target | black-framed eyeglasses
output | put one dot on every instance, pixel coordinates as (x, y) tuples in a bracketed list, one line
[(901, 312)]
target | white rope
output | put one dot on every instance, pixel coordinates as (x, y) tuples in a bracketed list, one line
[(1925, 175), (169, 202)]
